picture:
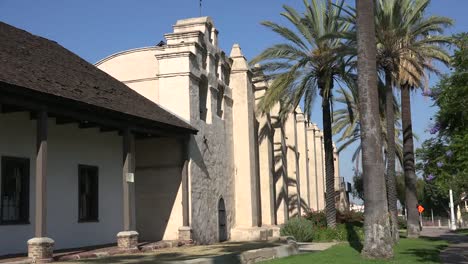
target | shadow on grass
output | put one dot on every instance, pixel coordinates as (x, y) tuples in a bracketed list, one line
[(425, 255), (353, 237)]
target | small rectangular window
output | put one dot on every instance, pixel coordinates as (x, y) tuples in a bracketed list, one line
[(88, 186), (203, 99), (219, 101), (14, 203)]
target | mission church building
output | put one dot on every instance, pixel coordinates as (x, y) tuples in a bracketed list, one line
[(149, 144)]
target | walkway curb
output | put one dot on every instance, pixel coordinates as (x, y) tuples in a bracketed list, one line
[(250, 256)]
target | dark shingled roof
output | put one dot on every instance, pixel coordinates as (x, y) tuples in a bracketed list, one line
[(44, 66)]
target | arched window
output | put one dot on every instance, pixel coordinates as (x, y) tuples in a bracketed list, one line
[(222, 220)]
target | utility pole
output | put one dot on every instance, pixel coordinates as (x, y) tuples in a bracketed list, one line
[(432, 216), (453, 225)]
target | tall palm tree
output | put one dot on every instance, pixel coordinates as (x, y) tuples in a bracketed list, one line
[(418, 45), (405, 47), (307, 62), (346, 122), (377, 240)]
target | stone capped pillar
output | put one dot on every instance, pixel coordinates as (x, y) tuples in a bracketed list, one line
[(265, 146), (41, 248), (319, 167), (302, 141), (313, 173), (280, 175), (247, 202), (185, 231), (293, 180)]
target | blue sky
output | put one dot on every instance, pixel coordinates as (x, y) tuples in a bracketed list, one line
[(95, 29)]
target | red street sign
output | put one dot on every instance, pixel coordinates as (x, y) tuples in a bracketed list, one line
[(420, 209)]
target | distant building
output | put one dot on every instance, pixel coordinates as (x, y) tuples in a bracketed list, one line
[(356, 207)]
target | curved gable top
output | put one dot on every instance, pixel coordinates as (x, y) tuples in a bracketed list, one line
[(42, 65)]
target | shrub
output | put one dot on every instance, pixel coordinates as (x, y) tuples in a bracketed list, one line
[(300, 228), (343, 232), (318, 218), (401, 222)]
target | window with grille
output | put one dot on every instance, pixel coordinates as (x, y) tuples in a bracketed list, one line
[(88, 186), (14, 198)]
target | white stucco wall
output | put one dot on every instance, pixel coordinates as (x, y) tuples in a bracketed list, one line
[(136, 68), (68, 147), (158, 188)]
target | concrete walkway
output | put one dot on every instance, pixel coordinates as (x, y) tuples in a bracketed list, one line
[(457, 251), (314, 247)]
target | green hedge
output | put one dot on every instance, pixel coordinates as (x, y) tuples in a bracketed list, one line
[(351, 232), (300, 228), (304, 230)]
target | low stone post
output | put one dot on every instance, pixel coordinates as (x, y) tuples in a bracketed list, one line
[(41, 249), (127, 240)]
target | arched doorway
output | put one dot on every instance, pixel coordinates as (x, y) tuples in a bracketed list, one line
[(222, 221)]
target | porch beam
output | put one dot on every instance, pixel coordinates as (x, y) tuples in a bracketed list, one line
[(6, 109), (41, 175), (86, 124), (64, 121)]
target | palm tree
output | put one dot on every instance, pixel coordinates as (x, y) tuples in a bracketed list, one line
[(346, 122), (377, 240), (307, 62), (388, 38), (405, 48), (417, 47)]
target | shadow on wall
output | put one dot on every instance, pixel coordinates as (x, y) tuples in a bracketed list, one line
[(158, 176), (281, 173)]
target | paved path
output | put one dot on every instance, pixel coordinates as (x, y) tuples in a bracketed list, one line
[(314, 247), (457, 252)]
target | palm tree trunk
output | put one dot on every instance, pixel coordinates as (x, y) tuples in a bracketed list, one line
[(377, 238), (390, 176), (408, 164), (330, 208)]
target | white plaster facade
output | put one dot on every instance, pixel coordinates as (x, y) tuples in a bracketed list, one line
[(69, 146)]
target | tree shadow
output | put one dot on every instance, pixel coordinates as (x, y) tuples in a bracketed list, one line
[(353, 237), (425, 255)]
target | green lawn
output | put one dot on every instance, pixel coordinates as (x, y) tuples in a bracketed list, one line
[(422, 250), (462, 231)]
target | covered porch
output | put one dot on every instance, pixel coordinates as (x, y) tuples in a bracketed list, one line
[(69, 143)]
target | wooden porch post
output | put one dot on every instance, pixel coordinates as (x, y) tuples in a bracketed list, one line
[(41, 175), (128, 238), (128, 181), (40, 248)]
